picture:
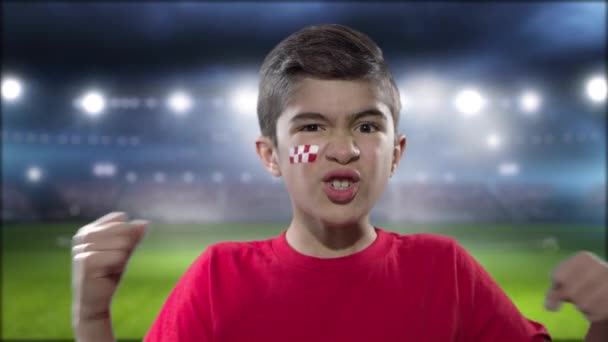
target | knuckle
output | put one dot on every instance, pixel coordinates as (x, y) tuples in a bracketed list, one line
[(558, 276), (76, 250), (83, 259), (77, 239), (85, 237), (87, 247), (585, 255)]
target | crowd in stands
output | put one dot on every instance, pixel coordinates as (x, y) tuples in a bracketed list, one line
[(266, 202)]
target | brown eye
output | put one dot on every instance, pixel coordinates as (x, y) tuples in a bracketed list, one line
[(367, 128), (310, 128)]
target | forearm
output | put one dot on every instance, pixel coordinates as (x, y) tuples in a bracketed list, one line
[(598, 332), (99, 330)]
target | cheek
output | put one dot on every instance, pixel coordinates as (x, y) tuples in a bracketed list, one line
[(298, 167), (377, 157)]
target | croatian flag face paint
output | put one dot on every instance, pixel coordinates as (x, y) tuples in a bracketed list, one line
[(303, 154)]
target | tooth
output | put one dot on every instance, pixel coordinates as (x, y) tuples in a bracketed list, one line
[(335, 183), (345, 184)]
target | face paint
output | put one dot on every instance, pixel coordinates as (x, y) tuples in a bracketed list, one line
[(303, 154)]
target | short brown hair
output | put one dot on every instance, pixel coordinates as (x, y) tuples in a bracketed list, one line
[(328, 51)]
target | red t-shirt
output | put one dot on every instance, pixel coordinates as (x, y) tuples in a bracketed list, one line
[(418, 287)]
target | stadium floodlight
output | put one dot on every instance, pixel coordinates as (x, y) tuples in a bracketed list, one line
[(245, 100), (93, 103), (33, 174), (179, 102), (508, 169), (469, 102), (406, 101), (530, 102), (596, 88), (493, 141), (103, 169), (11, 89)]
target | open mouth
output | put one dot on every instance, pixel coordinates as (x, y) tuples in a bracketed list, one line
[(341, 186)]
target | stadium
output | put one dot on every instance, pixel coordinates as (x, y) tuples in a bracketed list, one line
[(151, 109)]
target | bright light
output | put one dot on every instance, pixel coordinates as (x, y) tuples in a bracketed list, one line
[(245, 101), (508, 169), (179, 102), (421, 95), (596, 89), (469, 102), (406, 102), (33, 174), (93, 103), (104, 169), (530, 102), (493, 141), (11, 89)]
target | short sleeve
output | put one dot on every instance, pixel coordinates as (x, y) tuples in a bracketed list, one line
[(186, 316), (487, 313)]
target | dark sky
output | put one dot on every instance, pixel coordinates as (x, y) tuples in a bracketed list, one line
[(115, 37)]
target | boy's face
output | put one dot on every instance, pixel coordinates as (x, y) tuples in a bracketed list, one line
[(357, 150)]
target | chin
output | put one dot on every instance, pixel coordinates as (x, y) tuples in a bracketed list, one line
[(343, 216)]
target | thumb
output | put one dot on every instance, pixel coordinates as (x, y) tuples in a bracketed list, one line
[(553, 299)]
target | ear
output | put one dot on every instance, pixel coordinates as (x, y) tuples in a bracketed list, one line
[(268, 155), (398, 149)]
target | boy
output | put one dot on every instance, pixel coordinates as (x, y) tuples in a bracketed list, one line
[(328, 110)]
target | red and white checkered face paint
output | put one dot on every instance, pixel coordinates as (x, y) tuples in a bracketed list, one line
[(303, 154)]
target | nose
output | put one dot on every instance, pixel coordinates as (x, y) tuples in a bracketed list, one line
[(342, 149)]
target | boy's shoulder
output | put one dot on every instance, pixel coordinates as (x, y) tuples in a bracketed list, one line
[(252, 248), (422, 241)]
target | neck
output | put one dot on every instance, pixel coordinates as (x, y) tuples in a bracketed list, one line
[(323, 240)]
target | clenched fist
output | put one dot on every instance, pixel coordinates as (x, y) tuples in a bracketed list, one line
[(583, 281), (100, 254)]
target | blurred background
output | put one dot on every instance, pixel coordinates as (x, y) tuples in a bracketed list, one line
[(151, 109)]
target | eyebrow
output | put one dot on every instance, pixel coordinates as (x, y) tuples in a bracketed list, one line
[(351, 118)]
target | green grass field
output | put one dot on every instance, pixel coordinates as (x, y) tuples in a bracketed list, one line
[(36, 270)]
